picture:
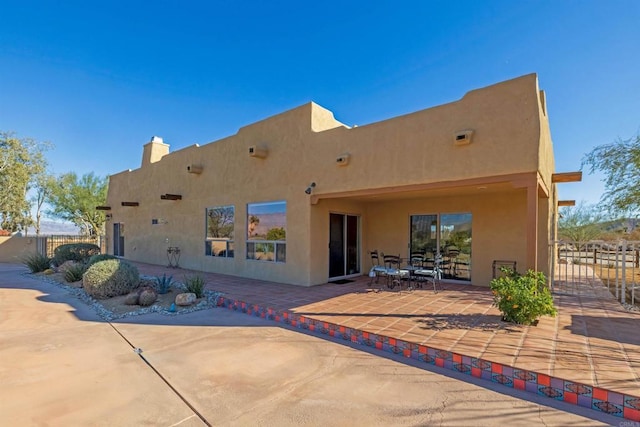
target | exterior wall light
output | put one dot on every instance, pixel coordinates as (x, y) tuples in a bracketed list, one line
[(310, 188)]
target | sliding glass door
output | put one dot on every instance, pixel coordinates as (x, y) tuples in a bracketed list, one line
[(344, 246), (448, 235)]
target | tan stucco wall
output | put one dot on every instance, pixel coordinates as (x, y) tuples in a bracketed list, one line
[(549, 206), (13, 249), (303, 144), (498, 227)]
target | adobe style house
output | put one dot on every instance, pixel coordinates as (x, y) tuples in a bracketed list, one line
[(301, 198)]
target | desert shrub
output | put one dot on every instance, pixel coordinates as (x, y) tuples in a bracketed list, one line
[(195, 284), (99, 257), (110, 278), (522, 299), (37, 262), (80, 252), (74, 273), (163, 284)]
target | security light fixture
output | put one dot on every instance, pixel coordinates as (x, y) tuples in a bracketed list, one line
[(310, 188)]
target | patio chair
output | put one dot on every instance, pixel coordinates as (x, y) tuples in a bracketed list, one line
[(451, 254), (394, 273), (434, 275), (377, 269), (417, 260)]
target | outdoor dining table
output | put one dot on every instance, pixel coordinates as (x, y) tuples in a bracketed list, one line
[(411, 275)]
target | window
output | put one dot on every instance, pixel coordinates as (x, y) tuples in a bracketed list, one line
[(266, 231), (219, 234)]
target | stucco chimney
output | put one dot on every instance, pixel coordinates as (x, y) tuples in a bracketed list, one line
[(154, 150)]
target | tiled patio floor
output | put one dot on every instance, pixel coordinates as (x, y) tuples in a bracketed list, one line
[(592, 341)]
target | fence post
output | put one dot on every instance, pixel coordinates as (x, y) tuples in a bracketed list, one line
[(623, 296), (617, 270)]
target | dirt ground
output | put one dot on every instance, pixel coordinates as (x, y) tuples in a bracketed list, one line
[(632, 277)]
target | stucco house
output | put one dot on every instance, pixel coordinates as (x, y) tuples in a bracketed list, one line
[(301, 198)]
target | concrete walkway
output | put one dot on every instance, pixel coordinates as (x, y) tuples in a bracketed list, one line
[(61, 365), (588, 355)]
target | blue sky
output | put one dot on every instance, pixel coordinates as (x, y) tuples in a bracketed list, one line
[(98, 80)]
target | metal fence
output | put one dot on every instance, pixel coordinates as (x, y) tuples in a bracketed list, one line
[(48, 244), (617, 264)]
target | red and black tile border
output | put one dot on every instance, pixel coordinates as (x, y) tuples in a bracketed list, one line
[(596, 398)]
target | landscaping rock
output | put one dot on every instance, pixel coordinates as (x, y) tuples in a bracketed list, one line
[(147, 297), (132, 298), (66, 266), (185, 299)]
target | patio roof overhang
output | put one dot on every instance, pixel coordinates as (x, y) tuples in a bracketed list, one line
[(531, 182), (463, 187)]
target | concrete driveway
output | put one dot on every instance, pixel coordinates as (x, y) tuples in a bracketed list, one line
[(61, 365)]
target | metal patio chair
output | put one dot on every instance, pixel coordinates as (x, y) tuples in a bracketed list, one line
[(434, 275), (377, 269)]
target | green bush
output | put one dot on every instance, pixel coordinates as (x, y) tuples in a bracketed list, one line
[(80, 252), (99, 257), (522, 299), (195, 284), (37, 262), (74, 273), (110, 278), (164, 283)]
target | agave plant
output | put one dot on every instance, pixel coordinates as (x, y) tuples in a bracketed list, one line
[(164, 283), (37, 262)]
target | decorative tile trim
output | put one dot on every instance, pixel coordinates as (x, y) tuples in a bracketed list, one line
[(596, 398)]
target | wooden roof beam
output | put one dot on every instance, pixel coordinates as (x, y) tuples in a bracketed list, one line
[(566, 177)]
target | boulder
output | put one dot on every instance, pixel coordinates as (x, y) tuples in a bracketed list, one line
[(132, 298), (185, 299), (147, 296), (66, 266)]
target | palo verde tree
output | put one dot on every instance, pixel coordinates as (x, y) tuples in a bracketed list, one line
[(21, 160), (75, 199), (620, 162), (580, 223)]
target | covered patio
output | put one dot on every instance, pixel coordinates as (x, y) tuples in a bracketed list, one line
[(471, 223)]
